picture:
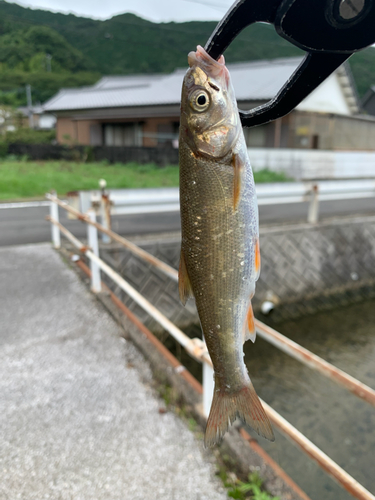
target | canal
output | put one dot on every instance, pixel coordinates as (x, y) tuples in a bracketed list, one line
[(339, 423)]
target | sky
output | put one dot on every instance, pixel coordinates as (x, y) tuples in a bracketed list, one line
[(153, 10)]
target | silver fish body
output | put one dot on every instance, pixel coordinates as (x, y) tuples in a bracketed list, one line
[(220, 260)]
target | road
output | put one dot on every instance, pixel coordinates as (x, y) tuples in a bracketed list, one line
[(28, 225), (79, 416)]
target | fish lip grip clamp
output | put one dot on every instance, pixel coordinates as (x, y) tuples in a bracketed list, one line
[(330, 31)]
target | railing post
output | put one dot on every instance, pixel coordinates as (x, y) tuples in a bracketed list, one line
[(105, 212), (54, 212), (313, 214), (208, 388), (92, 237)]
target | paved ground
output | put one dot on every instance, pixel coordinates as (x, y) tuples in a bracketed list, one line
[(77, 421), (27, 225)]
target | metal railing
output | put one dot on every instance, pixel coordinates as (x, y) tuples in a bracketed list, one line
[(196, 347), (135, 201)]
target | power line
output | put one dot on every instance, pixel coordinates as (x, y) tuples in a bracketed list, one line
[(216, 6)]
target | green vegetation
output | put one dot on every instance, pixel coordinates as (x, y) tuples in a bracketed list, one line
[(266, 175), (35, 54), (249, 490), (28, 179), (19, 179), (29, 50), (83, 49), (43, 85), (28, 136)]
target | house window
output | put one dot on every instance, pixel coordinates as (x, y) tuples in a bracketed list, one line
[(167, 133), (96, 134), (123, 134), (255, 137)]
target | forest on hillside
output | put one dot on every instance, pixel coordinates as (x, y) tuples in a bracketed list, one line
[(50, 51)]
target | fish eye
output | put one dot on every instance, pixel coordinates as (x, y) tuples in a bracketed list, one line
[(200, 101)]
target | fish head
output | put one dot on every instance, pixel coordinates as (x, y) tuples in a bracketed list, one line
[(210, 122)]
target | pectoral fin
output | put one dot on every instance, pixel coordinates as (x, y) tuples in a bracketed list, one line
[(184, 285), (249, 332), (237, 167), (257, 259)]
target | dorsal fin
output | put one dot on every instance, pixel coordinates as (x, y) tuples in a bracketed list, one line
[(184, 285), (249, 332)]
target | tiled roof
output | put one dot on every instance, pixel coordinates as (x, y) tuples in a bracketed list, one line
[(258, 80)]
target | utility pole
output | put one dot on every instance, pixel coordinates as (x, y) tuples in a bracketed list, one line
[(48, 63), (29, 106)]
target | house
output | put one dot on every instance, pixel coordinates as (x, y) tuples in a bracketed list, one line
[(143, 110)]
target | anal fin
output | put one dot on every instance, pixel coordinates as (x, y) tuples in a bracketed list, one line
[(184, 285), (249, 331)]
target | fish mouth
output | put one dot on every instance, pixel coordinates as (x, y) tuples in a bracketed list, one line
[(212, 68)]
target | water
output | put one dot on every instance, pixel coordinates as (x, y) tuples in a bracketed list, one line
[(339, 423)]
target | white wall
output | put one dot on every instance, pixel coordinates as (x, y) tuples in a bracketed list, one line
[(47, 121), (314, 164), (327, 98)]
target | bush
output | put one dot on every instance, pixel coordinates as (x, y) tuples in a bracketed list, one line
[(29, 136), (3, 149)]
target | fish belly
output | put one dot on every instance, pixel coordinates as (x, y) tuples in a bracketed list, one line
[(218, 243)]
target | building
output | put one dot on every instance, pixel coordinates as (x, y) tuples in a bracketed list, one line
[(143, 110), (368, 101), (36, 118)]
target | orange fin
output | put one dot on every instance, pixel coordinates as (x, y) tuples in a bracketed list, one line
[(184, 285), (237, 166), (244, 404), (249, 332), (257, 260)]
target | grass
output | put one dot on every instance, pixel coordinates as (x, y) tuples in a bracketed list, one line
[(24, 179), (32, 179), (266, 175), (252, 489)]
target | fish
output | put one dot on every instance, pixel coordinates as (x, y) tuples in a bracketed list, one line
[(220, 256)]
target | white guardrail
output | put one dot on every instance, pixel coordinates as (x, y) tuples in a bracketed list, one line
[(135, 201), (196, 347)]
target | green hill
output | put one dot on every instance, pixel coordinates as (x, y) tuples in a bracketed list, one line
[(82, 49)]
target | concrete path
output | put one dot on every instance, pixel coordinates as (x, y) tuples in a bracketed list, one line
[(77, 420)]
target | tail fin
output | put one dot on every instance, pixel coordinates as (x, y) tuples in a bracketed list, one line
[(227, 406)]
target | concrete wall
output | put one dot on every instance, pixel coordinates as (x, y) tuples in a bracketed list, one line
[(326, 131), (65, 127), (328, 97), (314, 164), (304, 269)]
